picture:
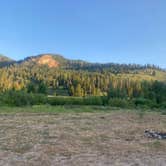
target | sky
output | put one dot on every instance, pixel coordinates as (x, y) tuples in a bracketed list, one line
[(120, 31)]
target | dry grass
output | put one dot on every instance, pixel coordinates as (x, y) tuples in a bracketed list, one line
[(81, 139)]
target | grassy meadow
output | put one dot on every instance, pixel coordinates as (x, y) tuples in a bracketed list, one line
[(44, 135)]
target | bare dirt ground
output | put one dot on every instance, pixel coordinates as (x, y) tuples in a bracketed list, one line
[(81, 139)]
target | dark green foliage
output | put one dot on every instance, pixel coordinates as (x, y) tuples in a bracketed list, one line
[(31, 88), (117, 93), (141, 102), (75, 100), (117, 102), (37, 86), (163, 105), (21, 98), (142, 94), (61, 91), (159, 89), (93, 100), (42, 88), (65, 101)]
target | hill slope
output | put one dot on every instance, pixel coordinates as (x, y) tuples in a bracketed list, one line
[(5, 61), (144, 72), (56, 61), (52, 61), (44, 59), (54, 74)]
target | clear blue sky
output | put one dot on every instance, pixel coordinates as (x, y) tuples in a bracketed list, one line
[(123, 31)]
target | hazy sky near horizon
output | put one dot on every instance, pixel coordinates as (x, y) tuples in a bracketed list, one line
[(123, 31)]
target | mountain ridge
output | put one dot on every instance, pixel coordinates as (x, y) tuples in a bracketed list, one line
[(59, 61), (5, 61)]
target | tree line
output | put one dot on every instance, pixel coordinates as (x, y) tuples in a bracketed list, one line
[(82, 83)]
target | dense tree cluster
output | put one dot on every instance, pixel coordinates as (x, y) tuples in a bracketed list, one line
[(153, 92), (74, 83), (78, 82)]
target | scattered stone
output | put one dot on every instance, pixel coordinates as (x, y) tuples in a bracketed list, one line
[(102, 117), (154, 134)]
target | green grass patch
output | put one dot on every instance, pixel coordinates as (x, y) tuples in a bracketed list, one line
[(41, 109)]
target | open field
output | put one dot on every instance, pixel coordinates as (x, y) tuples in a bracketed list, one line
[(79, 136)]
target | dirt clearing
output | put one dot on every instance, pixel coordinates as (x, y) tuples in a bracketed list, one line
[(81, 139)]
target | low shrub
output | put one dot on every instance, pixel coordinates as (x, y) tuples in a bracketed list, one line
[(21, 98), (75, 100), (65, 100), (163, 105), (117, 102), (142, 102), (93, 100)]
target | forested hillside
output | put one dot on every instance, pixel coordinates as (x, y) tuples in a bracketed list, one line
[(56, 76)]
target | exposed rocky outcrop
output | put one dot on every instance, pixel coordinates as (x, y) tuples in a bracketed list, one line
[(47, 60)]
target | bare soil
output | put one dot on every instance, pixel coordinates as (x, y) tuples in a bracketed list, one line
[(81, 139)]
